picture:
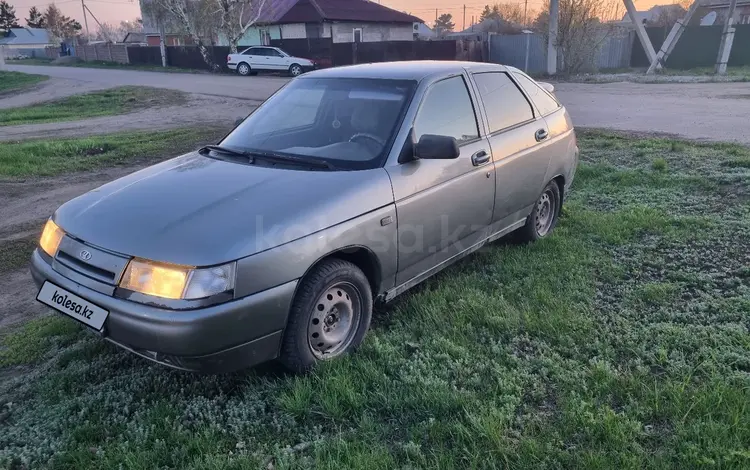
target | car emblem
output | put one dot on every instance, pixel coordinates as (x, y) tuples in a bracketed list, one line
[(85, 255)]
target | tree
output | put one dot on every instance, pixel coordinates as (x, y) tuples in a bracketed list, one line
[(60, 26), (35, 19), (668, 15), (509, 12), (582, 29), (444, 23), (188, 16), (7, 16), (236, 17)]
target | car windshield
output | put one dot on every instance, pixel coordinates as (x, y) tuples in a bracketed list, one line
[(348, 122)]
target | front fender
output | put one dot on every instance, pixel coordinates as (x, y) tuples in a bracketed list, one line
[(292, 260)]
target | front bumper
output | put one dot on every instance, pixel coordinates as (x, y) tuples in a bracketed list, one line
[(219, 338)]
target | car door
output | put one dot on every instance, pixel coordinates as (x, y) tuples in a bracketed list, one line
[(275, 59), (444, 207), (517, 136), (253, 57)]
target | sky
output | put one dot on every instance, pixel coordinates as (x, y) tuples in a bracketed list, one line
[(113, 11)]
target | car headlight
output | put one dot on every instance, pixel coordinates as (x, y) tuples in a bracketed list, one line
[(177, 282), (51, 237)]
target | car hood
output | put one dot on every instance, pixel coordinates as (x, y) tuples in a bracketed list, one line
[(197, 211)]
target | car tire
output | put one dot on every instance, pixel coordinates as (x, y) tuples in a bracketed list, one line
[(295, 70), (243, 69), (543, 217), (330, 315)]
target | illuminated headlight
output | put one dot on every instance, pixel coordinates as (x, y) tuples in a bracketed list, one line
[(177, 282), (51, 237)]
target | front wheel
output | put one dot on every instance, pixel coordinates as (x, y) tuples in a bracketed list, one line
[(329, 317), (295, 70), (543, 217)]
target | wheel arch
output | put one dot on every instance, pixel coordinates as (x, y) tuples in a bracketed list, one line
[(360, 256)]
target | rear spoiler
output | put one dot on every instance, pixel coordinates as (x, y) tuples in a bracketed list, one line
[(547, 86)]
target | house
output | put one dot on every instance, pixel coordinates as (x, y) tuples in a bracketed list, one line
[(134, 38), (713, 12), (29, 42), (341, 20), (423, 32), (657, 15)]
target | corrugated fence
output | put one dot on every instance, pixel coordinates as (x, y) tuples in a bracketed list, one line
[(510, 49)]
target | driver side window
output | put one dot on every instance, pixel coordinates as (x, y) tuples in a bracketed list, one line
[(446, 109)]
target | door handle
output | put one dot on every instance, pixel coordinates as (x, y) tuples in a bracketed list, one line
[(541, 134), (480, 158)]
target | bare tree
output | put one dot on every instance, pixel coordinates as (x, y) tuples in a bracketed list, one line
[(582, 29), (668, 15), (187, 16), (237, 16)]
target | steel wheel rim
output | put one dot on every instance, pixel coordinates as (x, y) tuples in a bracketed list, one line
[(244, 69), (334, 320), (296, 70), (545, 213)]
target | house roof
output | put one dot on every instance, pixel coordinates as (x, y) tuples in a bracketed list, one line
[(134, 38), (314, 11), (21, 36), (652, 14)]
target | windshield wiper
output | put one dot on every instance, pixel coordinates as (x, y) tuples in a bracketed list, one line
[(286, 158), (226, 151)]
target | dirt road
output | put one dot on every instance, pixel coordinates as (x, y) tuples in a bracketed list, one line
[(200, 110), (710, 111)]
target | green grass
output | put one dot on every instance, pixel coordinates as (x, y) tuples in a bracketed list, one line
[(17, 81), (619, 342), (15, 254), (99, 103), (35, 339), (103, 64), (47, 157)]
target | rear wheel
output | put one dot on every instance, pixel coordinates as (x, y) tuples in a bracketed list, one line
[(543, 217), (295, 70), (243, 69), (329, 317)]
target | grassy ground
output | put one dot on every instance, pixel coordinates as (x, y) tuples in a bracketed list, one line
[(102, 64), (16, 81), (620, 342), (56, 156), (98, 103)]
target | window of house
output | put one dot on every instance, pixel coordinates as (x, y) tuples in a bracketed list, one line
[(357, 35), (447, 110), (543, 101), (265, 37), (503, 101)]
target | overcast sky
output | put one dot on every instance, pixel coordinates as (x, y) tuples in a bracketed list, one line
[(113, 11)]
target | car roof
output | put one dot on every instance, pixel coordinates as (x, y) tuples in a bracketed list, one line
[(405, 70)]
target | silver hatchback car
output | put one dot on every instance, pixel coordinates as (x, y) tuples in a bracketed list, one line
[(345, 188)]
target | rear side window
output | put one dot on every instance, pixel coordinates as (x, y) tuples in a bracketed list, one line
[(543, 101), (447, 110), (503, 101)]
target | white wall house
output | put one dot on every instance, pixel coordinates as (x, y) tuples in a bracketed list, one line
[(344, 21)]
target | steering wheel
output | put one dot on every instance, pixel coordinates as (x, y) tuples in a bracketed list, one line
[(365, 135)]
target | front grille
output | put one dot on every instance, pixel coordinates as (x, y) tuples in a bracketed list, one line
[(86, 269), (80, 259)]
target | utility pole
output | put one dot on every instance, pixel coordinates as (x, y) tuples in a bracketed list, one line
[(85, 20), (727, 38), (525, 8), (672, 38), (554, 13), (463, 24)]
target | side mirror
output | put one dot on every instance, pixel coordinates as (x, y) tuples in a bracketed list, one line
[(436, 147)]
